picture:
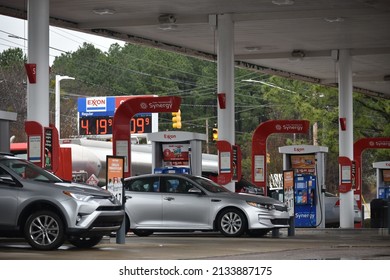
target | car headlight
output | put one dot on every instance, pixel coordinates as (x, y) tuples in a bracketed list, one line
[(77, 196), (261, 205)]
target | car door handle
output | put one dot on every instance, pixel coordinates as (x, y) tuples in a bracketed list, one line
[(215, 200), (128, 196), (169, 198)]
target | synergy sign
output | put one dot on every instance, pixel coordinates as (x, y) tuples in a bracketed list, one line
[(95, 116)]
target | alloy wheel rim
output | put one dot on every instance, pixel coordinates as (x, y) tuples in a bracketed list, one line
[(231, 223), (44, 230)]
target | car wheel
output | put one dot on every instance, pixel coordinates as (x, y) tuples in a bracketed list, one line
[(232, 223), (142, 232), (44, 230), (85, 242)]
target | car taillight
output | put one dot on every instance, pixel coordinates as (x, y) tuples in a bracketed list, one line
[(337, 203)]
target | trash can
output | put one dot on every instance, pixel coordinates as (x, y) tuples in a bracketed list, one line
[(379, 213)]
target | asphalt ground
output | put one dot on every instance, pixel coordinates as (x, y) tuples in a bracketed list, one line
[(306, 244)]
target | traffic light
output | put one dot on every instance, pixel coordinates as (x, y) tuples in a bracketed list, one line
[(215, 134), (176, 120)]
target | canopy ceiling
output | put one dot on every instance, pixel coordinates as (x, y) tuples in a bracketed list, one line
[(295, 39)]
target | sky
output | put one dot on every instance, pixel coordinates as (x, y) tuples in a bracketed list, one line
[(61, 40)]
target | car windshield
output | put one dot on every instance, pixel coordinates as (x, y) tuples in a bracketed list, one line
[(27, 170), (210, 185)]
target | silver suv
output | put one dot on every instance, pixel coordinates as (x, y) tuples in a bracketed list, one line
[(48, 211)]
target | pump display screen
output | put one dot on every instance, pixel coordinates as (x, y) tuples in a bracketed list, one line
[(301, 192)]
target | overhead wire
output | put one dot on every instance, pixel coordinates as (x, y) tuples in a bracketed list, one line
[(200, 90)]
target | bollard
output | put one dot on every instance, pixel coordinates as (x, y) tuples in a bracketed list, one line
[(291, 229), (275, 232), (388, 215), (121, 234)]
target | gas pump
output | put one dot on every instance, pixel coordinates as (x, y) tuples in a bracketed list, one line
[(308, 164), (304, 194), (382, 179), (177, 152)]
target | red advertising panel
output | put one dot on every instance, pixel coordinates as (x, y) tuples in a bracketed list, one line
[(386, 175), (176, 154), (303, 164)]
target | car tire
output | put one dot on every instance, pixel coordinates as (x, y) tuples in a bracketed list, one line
[(232, 223), (85, 242), (44, 230), (142, 232), (127, 224)]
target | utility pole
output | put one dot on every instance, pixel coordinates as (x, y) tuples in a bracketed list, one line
[(207, 136)]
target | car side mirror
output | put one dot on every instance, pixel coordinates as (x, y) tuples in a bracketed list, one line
[(195, 190)]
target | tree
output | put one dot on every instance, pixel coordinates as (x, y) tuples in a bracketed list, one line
[(13, 90)]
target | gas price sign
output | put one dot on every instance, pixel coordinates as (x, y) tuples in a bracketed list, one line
[(101, 125), (96, 116)]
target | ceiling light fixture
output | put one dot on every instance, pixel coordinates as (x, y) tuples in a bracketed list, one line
[(252, 49), (104, 11), (298, 54), (334, 19), (167, 22), (283, 2)]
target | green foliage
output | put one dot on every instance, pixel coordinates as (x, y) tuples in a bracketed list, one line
[(11, 57), (139, 70)]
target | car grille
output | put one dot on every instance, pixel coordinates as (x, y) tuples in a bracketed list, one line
[(281, 208), (109, 208), (107, 221), (280, 222)]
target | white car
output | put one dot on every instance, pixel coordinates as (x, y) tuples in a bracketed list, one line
[(332, 210)]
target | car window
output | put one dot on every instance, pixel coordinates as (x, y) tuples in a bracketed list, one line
[(184, 186), (143, 185), (169, 185), (5, 177), (177, 185), (30, 171)]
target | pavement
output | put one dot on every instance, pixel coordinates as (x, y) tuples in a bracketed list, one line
[(306, 244)]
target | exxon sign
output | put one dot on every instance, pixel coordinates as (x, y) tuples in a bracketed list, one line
[(96, 104)]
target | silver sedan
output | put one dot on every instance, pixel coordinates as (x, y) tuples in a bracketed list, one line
[(181, 202)]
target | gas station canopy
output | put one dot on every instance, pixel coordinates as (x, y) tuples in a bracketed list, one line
[(298, 39)]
